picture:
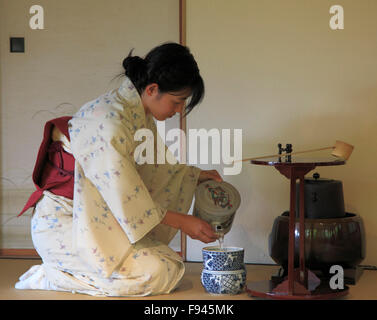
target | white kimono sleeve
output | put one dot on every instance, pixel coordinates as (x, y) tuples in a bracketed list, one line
[(104, 150)]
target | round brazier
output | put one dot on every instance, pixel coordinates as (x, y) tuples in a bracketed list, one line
[(339, 241), (224, 270)]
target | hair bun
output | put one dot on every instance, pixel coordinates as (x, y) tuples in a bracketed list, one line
[(135, 69), (133, 63)]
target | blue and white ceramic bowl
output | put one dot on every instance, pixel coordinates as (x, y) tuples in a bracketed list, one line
[(224, 270), (223, 259)]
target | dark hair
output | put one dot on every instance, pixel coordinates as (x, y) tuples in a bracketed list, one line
[(171, 66)]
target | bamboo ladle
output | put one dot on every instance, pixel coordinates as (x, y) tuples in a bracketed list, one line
[(340, 149)]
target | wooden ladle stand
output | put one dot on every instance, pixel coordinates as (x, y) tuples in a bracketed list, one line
[(301, 283)]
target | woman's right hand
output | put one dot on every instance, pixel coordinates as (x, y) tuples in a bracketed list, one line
[(198, 229), (194, 227)]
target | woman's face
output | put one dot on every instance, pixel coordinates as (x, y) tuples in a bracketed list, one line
[(163, 105)]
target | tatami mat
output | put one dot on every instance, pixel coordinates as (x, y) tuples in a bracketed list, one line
[(189, 289)]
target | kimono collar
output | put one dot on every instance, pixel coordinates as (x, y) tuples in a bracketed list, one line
[(129, 96)]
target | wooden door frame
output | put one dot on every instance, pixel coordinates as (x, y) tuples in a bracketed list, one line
[(182, 120)]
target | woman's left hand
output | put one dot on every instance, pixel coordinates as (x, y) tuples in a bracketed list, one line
[(209, 175)]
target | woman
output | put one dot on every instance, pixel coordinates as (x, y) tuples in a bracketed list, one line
[(112, 238)]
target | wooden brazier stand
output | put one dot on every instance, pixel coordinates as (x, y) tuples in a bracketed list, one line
[(301, 283)]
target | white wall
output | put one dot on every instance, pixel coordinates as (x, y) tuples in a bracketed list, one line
[(276, 70), (71, 61)]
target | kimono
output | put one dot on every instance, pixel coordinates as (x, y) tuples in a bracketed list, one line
[(108, 240)]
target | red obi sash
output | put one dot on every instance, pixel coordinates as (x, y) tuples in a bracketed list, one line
[(54, 168)]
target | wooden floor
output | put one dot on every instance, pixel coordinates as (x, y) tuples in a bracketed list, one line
[(189, 289)]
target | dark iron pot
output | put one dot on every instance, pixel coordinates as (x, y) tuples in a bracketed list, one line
[(323, 198)]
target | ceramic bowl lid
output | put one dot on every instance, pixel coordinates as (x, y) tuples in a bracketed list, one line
[(217, 198)]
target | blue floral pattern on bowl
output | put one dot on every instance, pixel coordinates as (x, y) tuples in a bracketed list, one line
[(224, 282), (224, 270), (228, 259)]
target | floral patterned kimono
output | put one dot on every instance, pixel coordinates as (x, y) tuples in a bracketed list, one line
[(109, 240)]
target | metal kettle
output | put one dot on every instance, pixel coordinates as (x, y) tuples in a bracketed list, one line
[(323, 198)]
